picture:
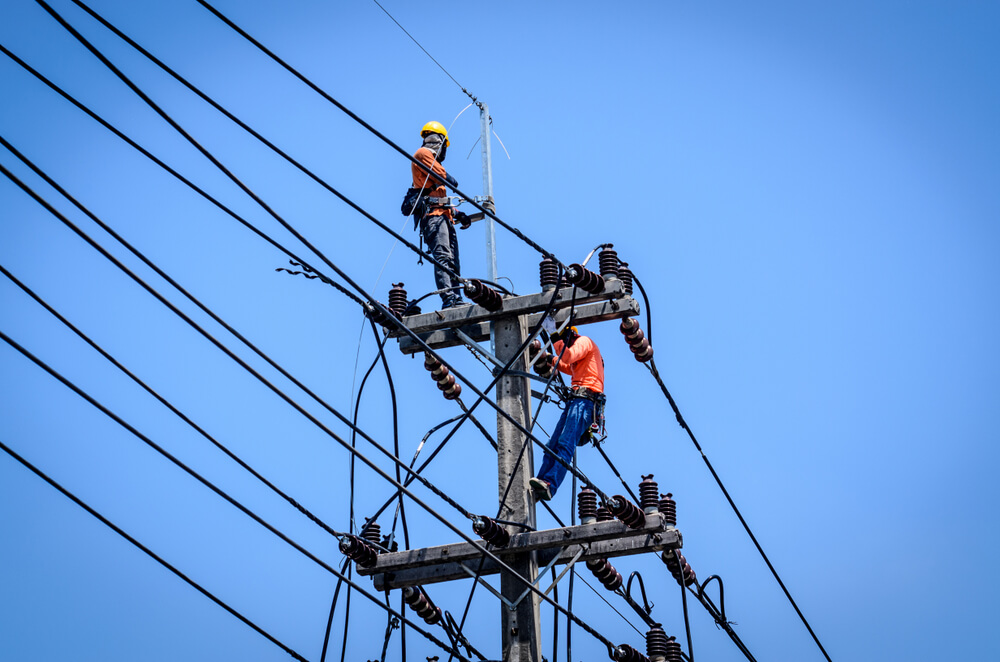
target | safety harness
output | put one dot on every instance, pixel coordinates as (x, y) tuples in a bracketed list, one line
[(596, 431)]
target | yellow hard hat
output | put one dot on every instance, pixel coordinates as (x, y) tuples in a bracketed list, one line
[(435, 127)]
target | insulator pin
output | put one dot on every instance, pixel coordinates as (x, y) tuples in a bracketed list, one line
[(548, 274), (585, 279), (626, 511), (625, 276), (626, 653), (491, 532), (397, 299), (608, 260), (421, 604), (372, 532), (440, 374), (605, 573), (358, 550), (636, 340), (656, 643), (668, 508), (586, 505), (679, 567), (484, 295)]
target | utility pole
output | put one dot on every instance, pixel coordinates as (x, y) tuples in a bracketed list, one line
[(491, 247)]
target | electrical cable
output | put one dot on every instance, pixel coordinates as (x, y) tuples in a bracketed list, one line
[(326, 279), (149, 442), (100, 120), (517, 233), (262, 139), (469, 94), (316, 520), (333, 607), (148, 551), (97, 53)]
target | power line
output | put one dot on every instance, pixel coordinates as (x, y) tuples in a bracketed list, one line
[(201, 589), (517, 233), (590, 630), (440, 66)]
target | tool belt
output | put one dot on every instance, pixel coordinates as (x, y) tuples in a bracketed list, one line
[(596, 429), (584, 392)]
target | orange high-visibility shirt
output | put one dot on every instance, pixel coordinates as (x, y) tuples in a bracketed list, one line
[(433, 187), (583, 362)]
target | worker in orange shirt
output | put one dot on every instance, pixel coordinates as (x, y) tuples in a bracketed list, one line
[(579, 357), (437, 218)]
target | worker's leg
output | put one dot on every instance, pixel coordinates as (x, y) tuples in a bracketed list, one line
[(437, 232), (575, 419)]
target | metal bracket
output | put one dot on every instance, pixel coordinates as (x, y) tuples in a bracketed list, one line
[(474, 346)]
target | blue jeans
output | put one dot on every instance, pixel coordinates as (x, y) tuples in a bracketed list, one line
[(442, 243), (575, 419)]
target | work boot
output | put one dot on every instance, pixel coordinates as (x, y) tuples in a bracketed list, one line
[(540, 489), (454, 302)]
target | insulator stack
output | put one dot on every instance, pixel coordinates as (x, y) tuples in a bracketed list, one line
[(668, 508), (626, 511), (421, 604), (372, 532), (636, 340), (358, 550), (445, 380), (397, 299), (375, 314), (484, 295), (673, 650), (586, 505), (548, 274), (608, 259), (656, 643), (605, 573), (603, 514), (625, 276), (584, 279), (626, 653), (649, 495), (491, 532), (543, 365), (676, 563)]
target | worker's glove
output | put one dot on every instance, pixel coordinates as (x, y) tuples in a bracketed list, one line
[(451, 181), (462, 218)]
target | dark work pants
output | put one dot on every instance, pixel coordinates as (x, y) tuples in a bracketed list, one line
[(442, 243)]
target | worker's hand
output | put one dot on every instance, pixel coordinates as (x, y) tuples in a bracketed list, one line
[(463, 218)]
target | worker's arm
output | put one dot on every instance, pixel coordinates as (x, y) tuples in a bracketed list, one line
[(426, 157), (572, 354)]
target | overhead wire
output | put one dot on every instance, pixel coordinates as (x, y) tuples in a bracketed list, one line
[(277, 150), (517, 233), (97, 53), (589, 629), (684, 425), (239, 506), (201, 589)]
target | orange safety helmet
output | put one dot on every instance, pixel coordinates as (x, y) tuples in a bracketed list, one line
[(435, 127)]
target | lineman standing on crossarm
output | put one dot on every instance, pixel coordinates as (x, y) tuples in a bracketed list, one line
[(580, 358), (437, 224)]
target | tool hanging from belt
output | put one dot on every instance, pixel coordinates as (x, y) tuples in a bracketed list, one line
[(596, 432)]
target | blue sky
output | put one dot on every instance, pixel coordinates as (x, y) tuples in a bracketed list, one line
[(808, 194)]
